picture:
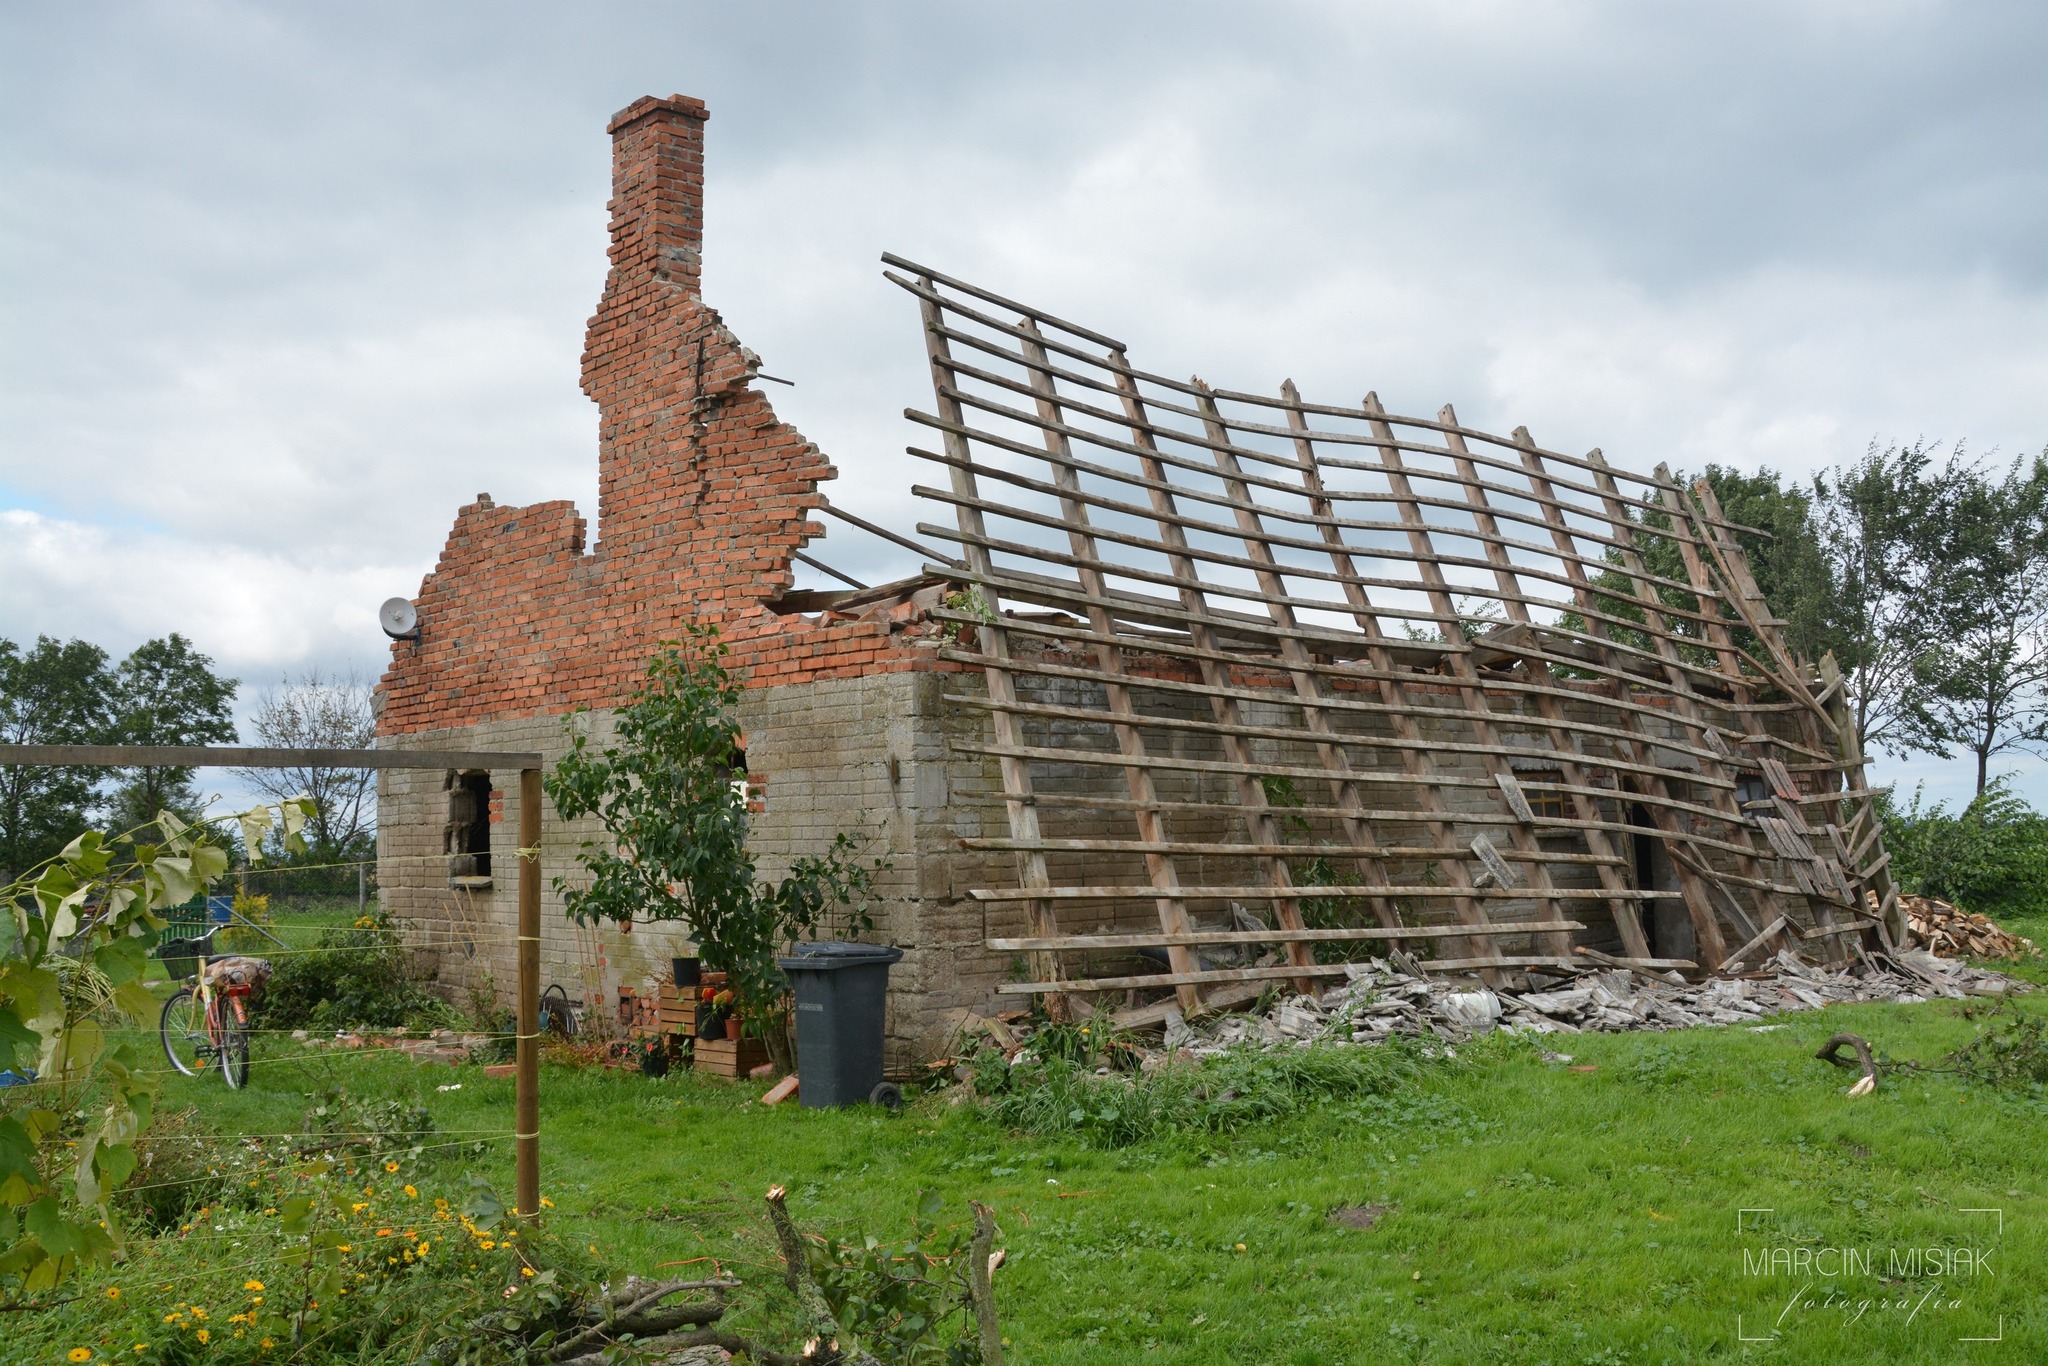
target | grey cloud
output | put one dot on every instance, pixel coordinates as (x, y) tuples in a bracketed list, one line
[(288, 283)]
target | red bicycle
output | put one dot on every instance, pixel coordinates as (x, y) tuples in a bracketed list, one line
[(208, 1021)]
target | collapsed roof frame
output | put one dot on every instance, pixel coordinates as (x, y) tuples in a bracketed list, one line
[(1194, 587)]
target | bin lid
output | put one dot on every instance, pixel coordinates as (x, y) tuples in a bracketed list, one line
[(829, 955)]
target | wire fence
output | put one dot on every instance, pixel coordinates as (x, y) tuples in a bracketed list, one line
[(311, 886)]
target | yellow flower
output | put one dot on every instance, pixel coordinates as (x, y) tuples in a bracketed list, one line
[(526, 1271), (440, 1204), (358, 1207), (347, 1247), (113, 1292), (390, 1166), (546, 1203), (411, 1194), (204, 1337), (252, 1285), (486, 1244), (197, 1312), (267, 1344), (79, 1354), (424, 1247)]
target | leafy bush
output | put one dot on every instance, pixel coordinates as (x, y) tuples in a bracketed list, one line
[(1991, 857), (355, 978), (1243, 1087)]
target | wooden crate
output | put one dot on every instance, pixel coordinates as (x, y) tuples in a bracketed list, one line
[(732, 1058), (678, 1010)]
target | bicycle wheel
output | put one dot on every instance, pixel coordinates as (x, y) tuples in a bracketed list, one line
[(183, 1027), (234, 1044)]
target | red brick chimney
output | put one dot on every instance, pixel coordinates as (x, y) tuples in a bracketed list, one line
[(647, 350), (657, 200)]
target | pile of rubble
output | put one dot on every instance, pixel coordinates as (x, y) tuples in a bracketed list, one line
[(449, 1046), (1385, 997), (1953, 932)]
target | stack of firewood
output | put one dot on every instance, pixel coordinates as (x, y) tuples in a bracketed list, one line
[(1955, 933)]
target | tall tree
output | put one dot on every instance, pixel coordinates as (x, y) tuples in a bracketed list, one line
[(316, 711), (166, 693), (1790, 565), (1987, 676), (54, 694), (1888, 524)]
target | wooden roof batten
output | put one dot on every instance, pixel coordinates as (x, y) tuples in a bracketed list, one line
[(1338, 658)]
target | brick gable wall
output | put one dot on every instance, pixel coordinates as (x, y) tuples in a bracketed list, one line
[(703, 494)]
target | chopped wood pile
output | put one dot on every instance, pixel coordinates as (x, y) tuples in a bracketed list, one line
[(1952, 932), (1383, 998)]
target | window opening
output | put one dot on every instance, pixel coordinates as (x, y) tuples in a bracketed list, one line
[(466, 838)]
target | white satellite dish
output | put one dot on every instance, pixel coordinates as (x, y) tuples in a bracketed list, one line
[(400, 619)]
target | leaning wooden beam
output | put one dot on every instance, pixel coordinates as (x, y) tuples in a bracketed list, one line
[(1173, 910), (1470, 694), (924, 289), (1418, 764), (1075, 942), (1274, 483), (1334, 891), (1874, 875), (1572, 761), (1260, 822), (1001, 684), (1698, 903), (1274, 974), (1342, 697)]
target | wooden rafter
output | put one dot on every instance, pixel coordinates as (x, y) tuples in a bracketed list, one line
[(1349, 664)]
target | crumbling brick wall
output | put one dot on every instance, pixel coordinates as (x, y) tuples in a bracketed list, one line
[(704, 493)]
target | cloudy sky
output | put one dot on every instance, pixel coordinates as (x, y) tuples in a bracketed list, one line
[(284, 284)]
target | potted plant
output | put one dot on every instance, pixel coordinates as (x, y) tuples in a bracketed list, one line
[(726, 1024), (652, 1054)]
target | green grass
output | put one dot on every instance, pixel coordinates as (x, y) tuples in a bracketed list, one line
[(1535, 1213)]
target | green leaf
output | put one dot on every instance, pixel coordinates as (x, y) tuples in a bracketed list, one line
[(175, 881), (296, 1214), (115, 1163), (18, 1043), (209, 861), (72, 1052), (46, 1223), (17, 1159), (121, 960)]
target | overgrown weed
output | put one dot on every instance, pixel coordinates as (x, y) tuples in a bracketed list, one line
[(1059, 1095)]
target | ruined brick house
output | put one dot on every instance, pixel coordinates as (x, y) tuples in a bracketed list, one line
[(1198, 690)]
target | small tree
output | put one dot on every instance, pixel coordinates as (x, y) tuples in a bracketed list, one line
[(671, 798)]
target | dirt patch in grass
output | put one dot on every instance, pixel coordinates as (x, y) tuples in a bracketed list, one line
[(1357, 1216)]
